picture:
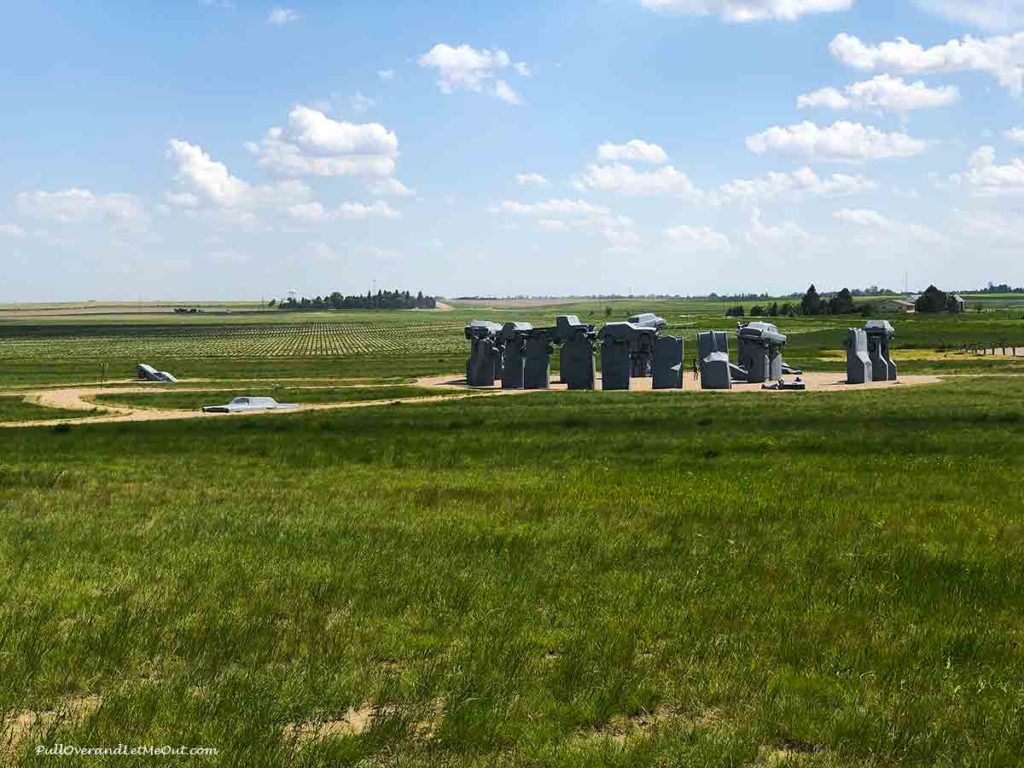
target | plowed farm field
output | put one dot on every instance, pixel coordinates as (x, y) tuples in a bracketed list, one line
[(307, 339)]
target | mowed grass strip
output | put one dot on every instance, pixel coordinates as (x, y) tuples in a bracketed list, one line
[(14, 408), (190, 400), (560, 579)]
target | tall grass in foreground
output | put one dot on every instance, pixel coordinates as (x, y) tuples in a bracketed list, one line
[(551, 580)]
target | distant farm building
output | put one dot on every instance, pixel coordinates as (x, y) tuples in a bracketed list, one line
[(959, 305), (905, 306)]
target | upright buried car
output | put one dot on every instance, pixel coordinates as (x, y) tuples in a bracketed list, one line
[(244, 404)]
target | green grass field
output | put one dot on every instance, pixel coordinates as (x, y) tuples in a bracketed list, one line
[(333, 345), (14, 408), (551, 579)]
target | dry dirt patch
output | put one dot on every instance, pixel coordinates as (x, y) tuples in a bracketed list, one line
[(358, 720), (17, 727)]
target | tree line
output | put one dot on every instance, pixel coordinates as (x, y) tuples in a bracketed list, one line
[(379, 300), (842, 303)]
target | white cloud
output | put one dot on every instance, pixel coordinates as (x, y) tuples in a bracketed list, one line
[(877, 223), (552, 225), (466, 68), (987, 14), (11, 230), (280, 16), (635, 149), (566, 214), (386, 74), (991, 227), (313, 144), (79, 205), (362, 103), (1000, 57), (750, 10), (842, 141), (698, 238), (506, 93), (627, 180), (986, 179), (761, 234), (557, 207), (210, 181), (796, 185), (881, 93), (182, 199), (207, 176), (531, 180), (315, 212), (390, 187), (1016, 135)]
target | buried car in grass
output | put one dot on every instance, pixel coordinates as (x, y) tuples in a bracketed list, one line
[(244, 404)]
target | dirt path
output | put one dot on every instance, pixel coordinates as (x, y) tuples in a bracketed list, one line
[(78, 398), (816, 382)]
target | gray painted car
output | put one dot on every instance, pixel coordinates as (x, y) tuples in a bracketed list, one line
[(246, 404), (149, 373)]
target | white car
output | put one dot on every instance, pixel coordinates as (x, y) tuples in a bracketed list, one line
[(243, 404)]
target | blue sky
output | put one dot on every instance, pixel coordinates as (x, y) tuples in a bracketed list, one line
[(230, 150)]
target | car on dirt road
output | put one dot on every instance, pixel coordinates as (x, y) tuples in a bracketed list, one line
[(247, 404)]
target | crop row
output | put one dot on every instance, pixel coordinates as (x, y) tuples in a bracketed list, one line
[(298, 340)]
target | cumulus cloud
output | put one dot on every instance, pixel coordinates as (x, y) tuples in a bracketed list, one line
[(313, 144), (386, 74), (1016, 135), (987, 179), (281, 16), (81, 205), (506, 93), (841, 142), (698, 238), (390, 187), (881, 93), (627, 180), (635, 150), (362, 103), (874, 221), (556, 207), (1000, 57), (762, 234), (575, 215), (796, 185), (207, 180), (531, 180), (315, 212), (995, 15), (992, 227), (464, 67), (750, 10)]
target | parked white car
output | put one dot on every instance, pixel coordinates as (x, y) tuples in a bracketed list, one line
[(243, 404)]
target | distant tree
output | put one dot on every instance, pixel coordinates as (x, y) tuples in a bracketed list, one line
[(736, 311), (773, 310), (382, 300), (841, 303), (787, 309), (758, 311), (273, 303), (810, 304), (932, 300), (608, 311)]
